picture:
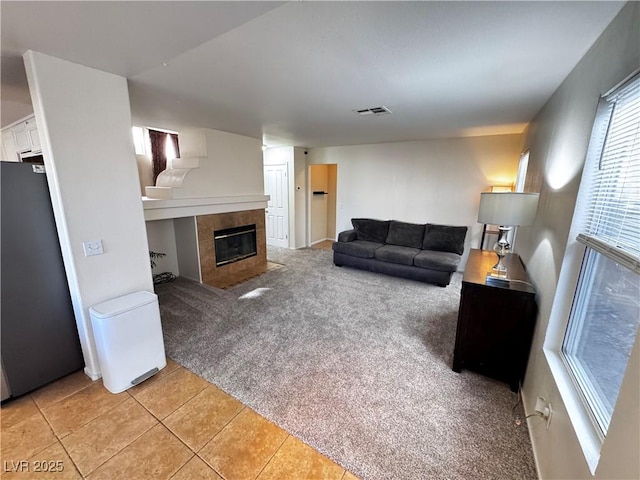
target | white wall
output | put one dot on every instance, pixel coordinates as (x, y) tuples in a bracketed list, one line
[(145, 172), (435, 181), (558, 138), (230, 165), (186, 235), (84, 122), (278, 156), (161, 238), (300, 184)]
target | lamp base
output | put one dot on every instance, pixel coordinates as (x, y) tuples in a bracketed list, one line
[(501, 248), (497, 273)]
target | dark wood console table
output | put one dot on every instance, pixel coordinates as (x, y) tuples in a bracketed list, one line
[(495, 322)]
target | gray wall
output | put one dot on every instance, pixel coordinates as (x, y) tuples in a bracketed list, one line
[(558, 138)]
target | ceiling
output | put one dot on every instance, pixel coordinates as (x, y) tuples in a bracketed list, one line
[(293, 73)]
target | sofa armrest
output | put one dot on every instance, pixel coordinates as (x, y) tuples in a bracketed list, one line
[(347, 236)]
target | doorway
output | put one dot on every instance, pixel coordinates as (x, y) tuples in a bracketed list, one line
[(277, 213), (323, 180)]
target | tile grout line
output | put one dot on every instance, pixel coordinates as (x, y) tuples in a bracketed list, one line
[(126, 447), (26, 418), (63, 398), (116, 453), (211, 439), (158, 421), (58, 439), (73, 462), (84, 424), (274, 453), (161, 420), (183, 465), (143, 386)]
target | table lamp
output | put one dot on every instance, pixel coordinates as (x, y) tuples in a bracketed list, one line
[(507, 210)]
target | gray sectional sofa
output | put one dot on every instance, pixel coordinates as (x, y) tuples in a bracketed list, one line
[(428, 253)]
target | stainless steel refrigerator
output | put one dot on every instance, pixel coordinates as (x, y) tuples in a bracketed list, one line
[(38, 332)]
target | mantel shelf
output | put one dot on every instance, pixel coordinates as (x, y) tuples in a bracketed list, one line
[(161, 209)]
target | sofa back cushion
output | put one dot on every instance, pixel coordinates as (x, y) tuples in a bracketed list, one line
[(405, 234), (444, 238), (370, 230)]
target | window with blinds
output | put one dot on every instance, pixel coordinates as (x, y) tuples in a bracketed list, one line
[(613, 215), (605, 313)]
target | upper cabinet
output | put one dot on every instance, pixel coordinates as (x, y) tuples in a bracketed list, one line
[(32, 133), (19, 138), (9, 149)]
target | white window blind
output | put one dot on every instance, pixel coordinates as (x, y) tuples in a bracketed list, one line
[(605, 313), (612, 217)]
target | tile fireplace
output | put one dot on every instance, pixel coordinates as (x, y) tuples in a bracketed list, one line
[(196, 221), (232, 246)]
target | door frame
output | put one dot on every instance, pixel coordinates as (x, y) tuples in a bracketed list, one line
[(310, 200), (285, 193)]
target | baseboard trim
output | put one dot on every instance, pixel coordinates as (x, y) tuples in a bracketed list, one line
[(533, 445), (92, 375), (320, 241)]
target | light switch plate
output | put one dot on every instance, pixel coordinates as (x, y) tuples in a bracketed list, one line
[(93, 247)]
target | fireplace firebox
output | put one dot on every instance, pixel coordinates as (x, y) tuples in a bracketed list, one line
[(234, 244)]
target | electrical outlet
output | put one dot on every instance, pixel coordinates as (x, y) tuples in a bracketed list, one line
[(541, 405), (93, 247), (544, 409)]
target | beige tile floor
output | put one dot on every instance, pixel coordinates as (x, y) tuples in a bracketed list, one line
[(175, 425)]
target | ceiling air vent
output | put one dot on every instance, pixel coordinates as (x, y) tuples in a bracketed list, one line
[(374, 111)]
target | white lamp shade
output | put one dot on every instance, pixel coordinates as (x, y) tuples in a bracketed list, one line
[(508, 208)]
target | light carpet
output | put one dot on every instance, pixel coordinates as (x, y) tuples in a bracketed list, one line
[(356, 364)]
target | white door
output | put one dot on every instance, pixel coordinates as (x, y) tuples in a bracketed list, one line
[(275, 185)]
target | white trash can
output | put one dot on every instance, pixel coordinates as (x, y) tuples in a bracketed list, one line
[(128, 336)]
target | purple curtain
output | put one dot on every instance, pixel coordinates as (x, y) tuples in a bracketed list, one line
[(174, 139), (158, 150), (158, 154)]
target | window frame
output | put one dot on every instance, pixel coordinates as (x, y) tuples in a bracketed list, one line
[(584, 422), (591, 398)]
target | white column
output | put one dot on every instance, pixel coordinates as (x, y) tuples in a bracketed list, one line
[(84, 120)]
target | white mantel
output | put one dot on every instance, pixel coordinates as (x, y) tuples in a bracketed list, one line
[(162, 209)]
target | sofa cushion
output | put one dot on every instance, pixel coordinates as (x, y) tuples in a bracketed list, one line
[(371, 230), (405, 234), (444, 238), (347, 236), (443, 261), (396, 254), (357, 248)]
